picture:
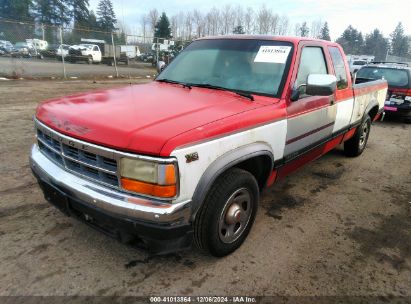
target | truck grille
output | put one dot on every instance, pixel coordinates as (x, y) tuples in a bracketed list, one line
[(92, 165)]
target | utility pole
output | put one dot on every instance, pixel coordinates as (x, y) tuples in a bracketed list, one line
[(62, 53)]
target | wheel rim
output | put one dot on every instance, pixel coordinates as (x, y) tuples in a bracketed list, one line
[(364, 134), (235, 216)]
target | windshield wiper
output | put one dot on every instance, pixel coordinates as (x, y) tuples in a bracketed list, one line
[(214, 87), (185, 85)]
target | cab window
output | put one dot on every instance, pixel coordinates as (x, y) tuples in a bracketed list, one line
[(312, 62), (339, 68)]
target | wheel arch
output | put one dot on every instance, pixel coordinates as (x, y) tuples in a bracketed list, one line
[(372, 109), (257, 158)]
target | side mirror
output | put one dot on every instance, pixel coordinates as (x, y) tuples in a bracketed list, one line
[(160, 66), (321, 84)]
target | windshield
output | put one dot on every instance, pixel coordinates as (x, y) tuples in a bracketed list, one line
[(252, 66), (87, 46), (394, 77)]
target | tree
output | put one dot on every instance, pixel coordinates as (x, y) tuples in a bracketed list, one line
[(264, 17), (303, 30), (153, 18), (106, 17), (325, 32), (315, 30), (399, 42), (52, 12), (376, 45), (351, 41), (238, 30), (162, 29), (249, 20), (92, 21), (16, 9), (80, 12)]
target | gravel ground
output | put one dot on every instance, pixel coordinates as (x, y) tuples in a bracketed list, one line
[(36, 68), (339, 226)]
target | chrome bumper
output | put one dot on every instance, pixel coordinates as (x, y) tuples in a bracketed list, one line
[(108, 199)]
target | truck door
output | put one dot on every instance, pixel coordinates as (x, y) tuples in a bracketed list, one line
[(344, 99), (96, 54), (310, 119)]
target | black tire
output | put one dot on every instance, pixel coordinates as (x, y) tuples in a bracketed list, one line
[(356, 145), (237, 191), (90, 60), (407, 120)]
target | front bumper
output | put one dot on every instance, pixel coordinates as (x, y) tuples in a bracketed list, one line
[(162, 227)]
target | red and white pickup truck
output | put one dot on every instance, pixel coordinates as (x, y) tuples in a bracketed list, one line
[(184, 158)]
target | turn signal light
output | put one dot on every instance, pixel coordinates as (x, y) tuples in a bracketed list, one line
[(168, 191)]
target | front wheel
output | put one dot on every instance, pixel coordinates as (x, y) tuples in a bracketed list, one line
[(227, 214), (356, 145)]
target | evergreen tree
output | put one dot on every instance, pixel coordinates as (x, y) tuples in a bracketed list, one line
[(16, 9), (351, 41), (80, 12), (106, 17), (376, 45), (399, 42), (304, 30), (162, 29), (52, 12), (92, 21), (325, 32), (239, 30)]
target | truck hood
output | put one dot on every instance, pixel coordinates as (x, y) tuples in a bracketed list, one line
[(139, 118)]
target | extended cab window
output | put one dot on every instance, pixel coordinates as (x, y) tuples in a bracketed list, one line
[(312, 62), (339, 68)]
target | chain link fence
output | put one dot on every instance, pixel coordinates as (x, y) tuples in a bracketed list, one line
[(34, 51)]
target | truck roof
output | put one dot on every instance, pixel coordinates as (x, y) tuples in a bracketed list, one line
[(292, 39)]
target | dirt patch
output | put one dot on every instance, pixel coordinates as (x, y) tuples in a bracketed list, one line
[(339, 226)]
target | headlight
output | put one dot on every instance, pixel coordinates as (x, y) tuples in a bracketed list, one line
[(150, 178)]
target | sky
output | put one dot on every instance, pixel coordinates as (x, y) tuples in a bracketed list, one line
[(365, 15)]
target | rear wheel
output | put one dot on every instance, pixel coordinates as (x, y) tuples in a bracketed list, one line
[(226, 217), (356, 145)]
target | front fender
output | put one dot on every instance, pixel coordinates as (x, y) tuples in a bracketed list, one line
[(224, 162)]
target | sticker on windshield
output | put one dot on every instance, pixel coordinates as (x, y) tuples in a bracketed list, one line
[(272, 54)]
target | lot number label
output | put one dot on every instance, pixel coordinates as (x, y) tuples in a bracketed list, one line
[(272, 54)]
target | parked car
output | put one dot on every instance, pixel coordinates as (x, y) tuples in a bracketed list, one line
[(131, 51), (85, 52), (398, 76), (62, 50), (146, 57), (185, 158), (356, 65), (96, 53), (37, 44), (22, 49), (6, 46), (26, 49)]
